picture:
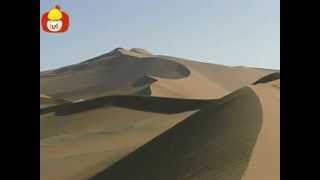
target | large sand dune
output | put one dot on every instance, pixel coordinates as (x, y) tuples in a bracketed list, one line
[(133, 115), (119, 71)]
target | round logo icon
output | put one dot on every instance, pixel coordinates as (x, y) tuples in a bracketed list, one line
[(55, 21)]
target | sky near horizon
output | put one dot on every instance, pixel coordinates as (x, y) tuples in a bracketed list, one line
[(228, 32)]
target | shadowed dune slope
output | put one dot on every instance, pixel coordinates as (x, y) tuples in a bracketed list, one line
[(268, 78), (214, 143)]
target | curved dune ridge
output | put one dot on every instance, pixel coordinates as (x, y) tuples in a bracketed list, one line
[(133, 115), (203, 88), (268, 78)]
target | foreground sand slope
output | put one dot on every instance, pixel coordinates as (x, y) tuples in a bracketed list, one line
[(214, 143), (78, 140), (80, 145)]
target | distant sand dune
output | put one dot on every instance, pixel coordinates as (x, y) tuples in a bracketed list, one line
[(117, 73), (114, 76)]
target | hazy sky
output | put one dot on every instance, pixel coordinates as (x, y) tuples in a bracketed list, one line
[(229, 32)]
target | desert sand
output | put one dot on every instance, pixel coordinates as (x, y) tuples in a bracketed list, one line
[(132, 115)]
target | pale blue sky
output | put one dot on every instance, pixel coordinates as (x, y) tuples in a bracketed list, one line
[(229, 32)]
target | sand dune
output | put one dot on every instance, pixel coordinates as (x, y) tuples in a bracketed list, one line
[(112, 76), (116, 73), (133, 115)]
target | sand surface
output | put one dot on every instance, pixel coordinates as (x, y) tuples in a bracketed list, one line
[(133, 115)]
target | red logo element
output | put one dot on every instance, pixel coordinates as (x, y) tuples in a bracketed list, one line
[(55, 21)]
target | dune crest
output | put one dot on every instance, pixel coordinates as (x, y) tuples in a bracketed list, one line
[(203, 88)]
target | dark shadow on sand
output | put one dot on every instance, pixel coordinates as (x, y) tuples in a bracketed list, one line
[(268, 78), (141, 103), (214, 143)]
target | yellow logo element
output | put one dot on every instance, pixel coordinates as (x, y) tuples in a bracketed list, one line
[(55, 14)]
